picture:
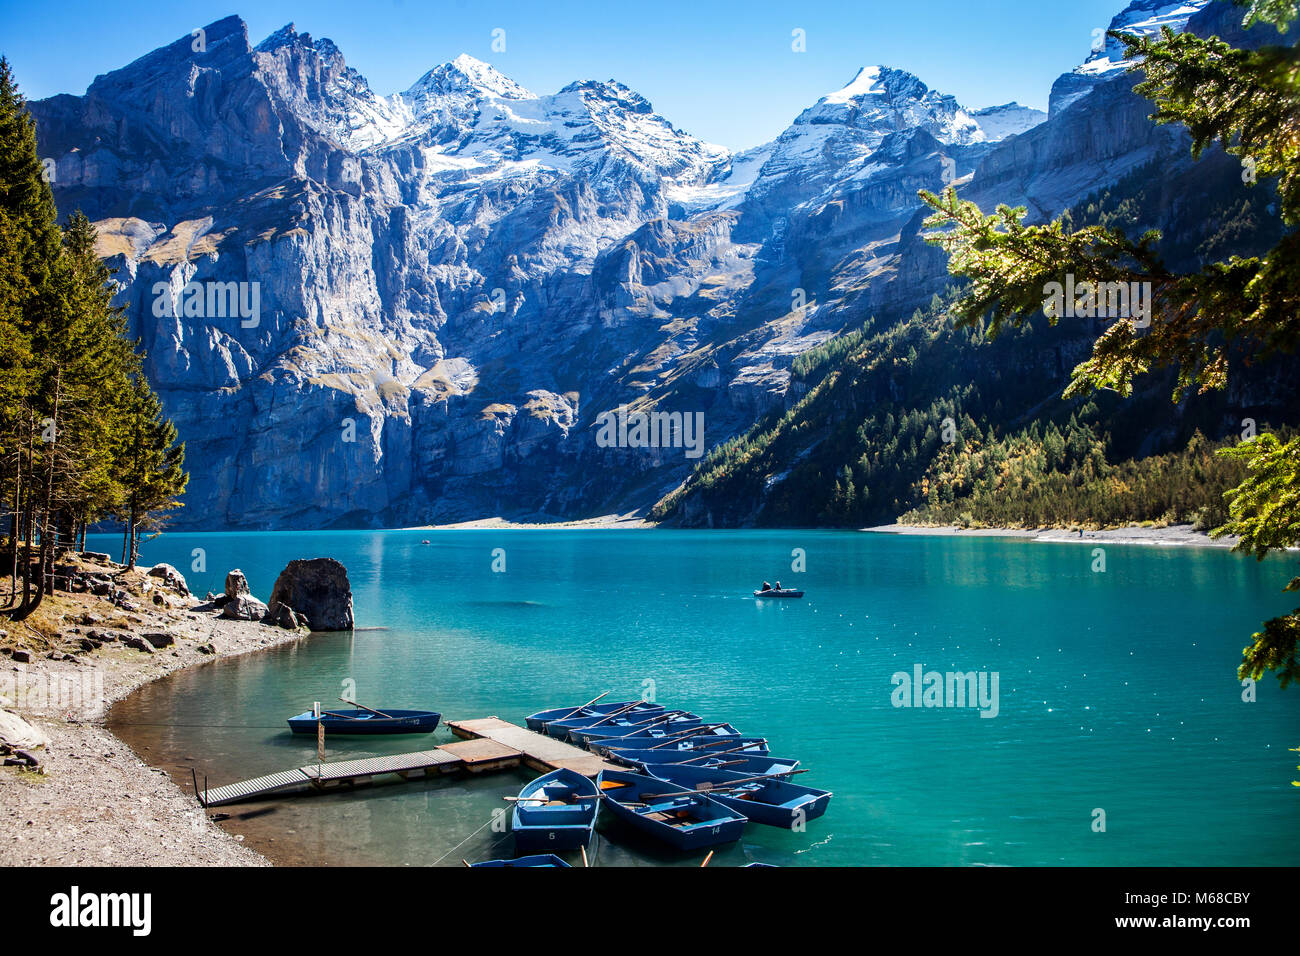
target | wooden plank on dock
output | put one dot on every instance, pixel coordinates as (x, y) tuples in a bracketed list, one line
[(476, 757), (480, 753), (339, 770), (257, 787), (539, 751), (487, 743)]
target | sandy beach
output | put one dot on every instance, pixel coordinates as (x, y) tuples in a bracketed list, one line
[(1178, 535), (628, 520), (94, 801)]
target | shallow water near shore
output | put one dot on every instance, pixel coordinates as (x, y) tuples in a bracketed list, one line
[(1116, 690)]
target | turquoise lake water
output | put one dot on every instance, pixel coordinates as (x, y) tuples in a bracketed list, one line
[(1117, 690)]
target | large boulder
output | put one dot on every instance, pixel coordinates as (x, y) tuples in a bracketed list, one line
[(317, 589), (18, 734), (170, 577), (243, 607), (236, 584), (284, 616)]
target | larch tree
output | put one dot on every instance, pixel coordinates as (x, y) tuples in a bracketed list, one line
[(1247, 102)]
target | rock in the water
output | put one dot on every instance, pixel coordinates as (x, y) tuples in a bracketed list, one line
[(318, 589), (281, 615), (236, 584), (16, 733), (170, 577), (243, 607)]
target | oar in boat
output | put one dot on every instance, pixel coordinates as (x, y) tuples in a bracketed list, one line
[(582, 707), (657, 718), (618, 713), (708, 756), (723, 740), (364, 707), (637, 729), (576, 798), (330, 713), (682, 735), (645, 722), (585, 864), (731, 785)]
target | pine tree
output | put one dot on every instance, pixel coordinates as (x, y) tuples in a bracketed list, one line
[(82, 436), (152, 472), (29, 249)]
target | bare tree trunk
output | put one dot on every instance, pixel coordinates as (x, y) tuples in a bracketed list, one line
[(15, 525), (43, 577)]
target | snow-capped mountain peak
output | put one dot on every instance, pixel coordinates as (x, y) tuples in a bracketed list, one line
[(467, 76), (1139, 18), (866, 82), (1009, 119)]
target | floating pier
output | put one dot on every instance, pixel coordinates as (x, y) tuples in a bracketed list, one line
[(537, 751), (487, 744)]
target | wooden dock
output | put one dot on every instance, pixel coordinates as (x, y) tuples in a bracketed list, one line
[(471, 756), (486, 744), (537, 751)]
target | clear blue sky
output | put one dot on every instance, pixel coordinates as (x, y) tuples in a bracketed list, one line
[(723, 71)]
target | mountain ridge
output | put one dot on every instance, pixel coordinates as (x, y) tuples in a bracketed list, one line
[(471, 273)]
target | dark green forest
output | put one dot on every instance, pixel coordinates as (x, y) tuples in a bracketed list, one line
[(83, 437)]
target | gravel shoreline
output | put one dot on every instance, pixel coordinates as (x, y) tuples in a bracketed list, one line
[(97, 803), (601, 522), (1178, 535)]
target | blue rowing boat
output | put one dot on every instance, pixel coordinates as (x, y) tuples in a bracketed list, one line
[(782, 593), (742, 762), (543, 859), (538, 720), (682, 818), (556, 811), (665, 733), (755, 746), (775, 802), (367, 722), (581, 730)]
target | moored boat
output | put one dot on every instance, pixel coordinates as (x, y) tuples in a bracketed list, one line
[(664, 734), (773, 801), (543, 859), (741, 762), (683, 818), (538, 720), (556, 811), (580, 732), (698, 744), (370, 722)]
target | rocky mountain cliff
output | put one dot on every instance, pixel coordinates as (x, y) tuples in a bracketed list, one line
[(369, 310)]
